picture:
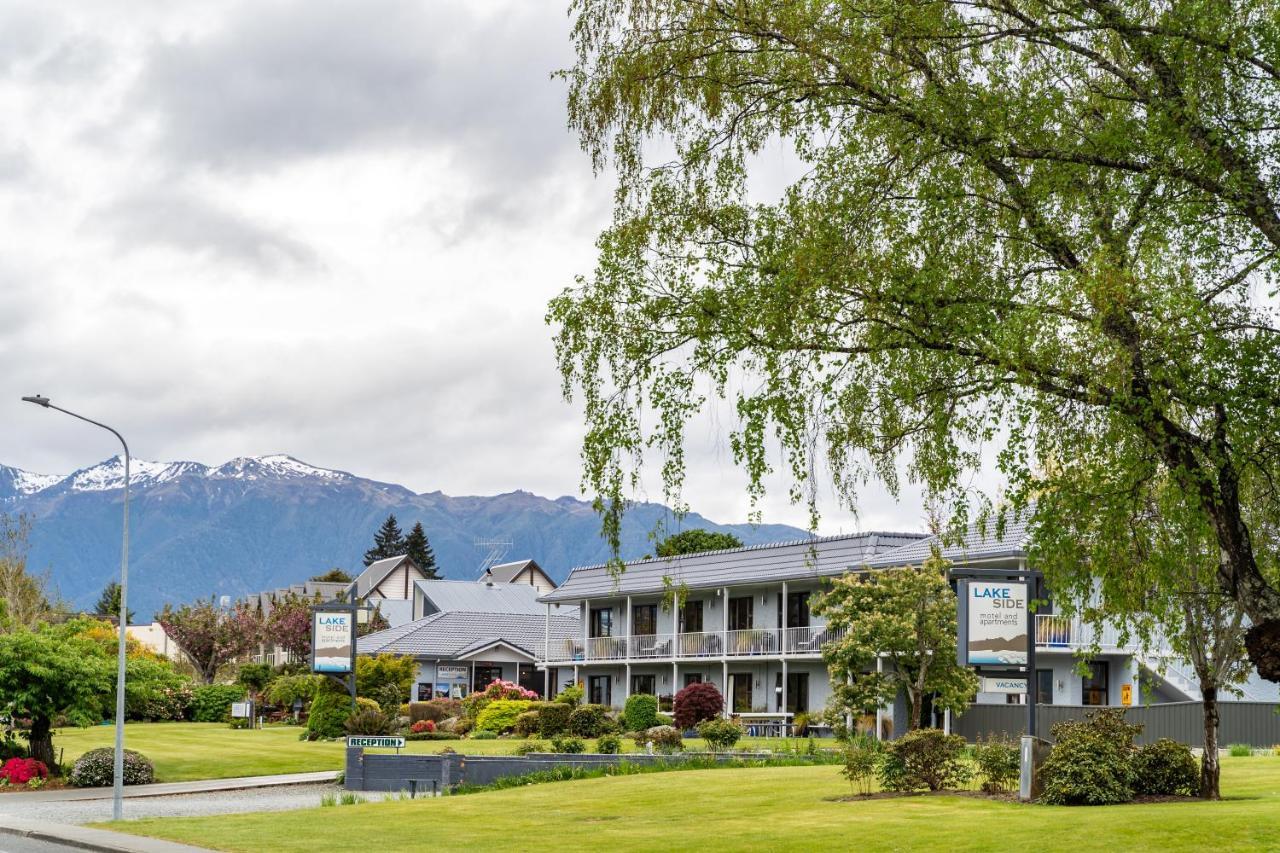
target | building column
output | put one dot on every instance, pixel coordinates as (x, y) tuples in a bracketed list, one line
[(631, 629), (724, 681), (626, 685), (586, 627), (782, 640), (784, 685)]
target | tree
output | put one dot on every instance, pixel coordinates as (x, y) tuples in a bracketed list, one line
[(419, 550), (696, 540), (1158, 578), (906, 616), (1031, 224), (289, 625), (374, 673), (108, 605), (334, 575), (387, 542), (49, 673), (25, 597), (210, 636)]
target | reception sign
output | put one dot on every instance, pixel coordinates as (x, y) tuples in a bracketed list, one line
[(333, 641), (994, 623)]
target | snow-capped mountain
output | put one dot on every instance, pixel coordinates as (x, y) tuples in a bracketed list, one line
[(258, 522)]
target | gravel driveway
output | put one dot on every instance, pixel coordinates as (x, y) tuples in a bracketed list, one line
[(281, 798)]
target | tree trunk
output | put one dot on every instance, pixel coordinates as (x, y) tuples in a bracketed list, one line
[(42, 742), (917, 707), (1209, 767)]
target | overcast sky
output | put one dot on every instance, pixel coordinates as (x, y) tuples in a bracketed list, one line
[(328, 229)]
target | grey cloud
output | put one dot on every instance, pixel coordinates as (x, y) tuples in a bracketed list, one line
[(287, 80), (176, 219)]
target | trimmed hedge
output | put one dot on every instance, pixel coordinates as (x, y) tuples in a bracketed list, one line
[(1166, 768), (96, 769), (590, 721), (640, 713), (211, 703), (553, 718), (500, 715)]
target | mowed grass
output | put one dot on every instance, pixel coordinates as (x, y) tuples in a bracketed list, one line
[(779, 808), (186, 751)]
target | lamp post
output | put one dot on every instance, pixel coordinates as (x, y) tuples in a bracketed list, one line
[(117, 794)]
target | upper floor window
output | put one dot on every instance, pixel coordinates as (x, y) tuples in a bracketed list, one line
[(798, 610), (691, 617), (602, 622), (740, 612), (645, 619)]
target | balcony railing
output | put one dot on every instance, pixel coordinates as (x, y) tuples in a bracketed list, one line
[(746, 642), (1055, 631)]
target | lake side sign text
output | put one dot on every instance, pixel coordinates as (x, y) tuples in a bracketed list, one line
[(997, 623)]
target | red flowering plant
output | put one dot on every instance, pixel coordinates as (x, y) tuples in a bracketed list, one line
[(21, 771), (422, 726)]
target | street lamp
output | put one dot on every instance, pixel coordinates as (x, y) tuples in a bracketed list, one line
[(117, 794)]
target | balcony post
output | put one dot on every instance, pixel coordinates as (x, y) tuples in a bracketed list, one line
[(586, 629), (630, 633), (782, 641), (546, 656)]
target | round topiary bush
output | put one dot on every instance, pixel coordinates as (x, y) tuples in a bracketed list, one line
[(95, 769), (589, 721), (553, 718), (641, 712), (1165, 768), (664, 739), (695, 703), (609, 745), (720, 734)]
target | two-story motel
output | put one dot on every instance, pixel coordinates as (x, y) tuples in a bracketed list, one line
[(746, 625)]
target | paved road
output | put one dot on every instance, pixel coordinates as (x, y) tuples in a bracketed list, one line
[(276, 799), (18, 844)]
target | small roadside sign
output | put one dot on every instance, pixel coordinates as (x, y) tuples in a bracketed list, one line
[(374, 742), (242, 710), (1126, 695)]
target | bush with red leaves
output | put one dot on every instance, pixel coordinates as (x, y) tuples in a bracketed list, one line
[(20, 771), (696, 703)]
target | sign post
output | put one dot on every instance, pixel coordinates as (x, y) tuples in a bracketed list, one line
[(333, 643)]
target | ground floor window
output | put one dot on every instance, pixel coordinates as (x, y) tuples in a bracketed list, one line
[(692, 677), (600, 690), (1044, 687), (484, 676), (740, 689), (644, 684), (798, 692), (1094, 687)]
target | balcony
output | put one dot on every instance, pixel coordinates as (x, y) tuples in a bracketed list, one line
[(741, 643), (1055, 631)]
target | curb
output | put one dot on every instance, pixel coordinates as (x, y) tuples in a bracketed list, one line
[(172, 789), (93, 839)]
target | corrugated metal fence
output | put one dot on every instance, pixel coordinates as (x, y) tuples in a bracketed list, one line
[(1254, 723)]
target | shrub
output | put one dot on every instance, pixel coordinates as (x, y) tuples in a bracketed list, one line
[(435, 710), (329, 714), (609, 745), (1240, 750), (1165, 767), (640, 713), (20, 771), (664, 739), (211, 703), (720, 734), (553, 718), (10, 747), (422, 726), (999, 762), (476, 702), (437, 735), (484, 734), (1091, 762), (287, 689), (568, 744), (457, 725), (531, 746), (665, 720), (254, 676), (697, 702), (500, 714), (862, 757), (589, 721), (95, 769), (571, 695), (527, 723), (389, 698), (925, 758), (370, 721)]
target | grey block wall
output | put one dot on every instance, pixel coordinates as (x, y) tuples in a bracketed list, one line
[(1254, 723)]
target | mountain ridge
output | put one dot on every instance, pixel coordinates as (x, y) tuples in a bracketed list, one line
[(260, 522)]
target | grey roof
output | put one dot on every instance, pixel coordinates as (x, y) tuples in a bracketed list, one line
[(979, 542), (325, 590), (804, 558), (377, 572), (481, 597), (504, 572), (448, 635)]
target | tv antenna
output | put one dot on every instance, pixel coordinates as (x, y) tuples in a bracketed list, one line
[(497, 550)]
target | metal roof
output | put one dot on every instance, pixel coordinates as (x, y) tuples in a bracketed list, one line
[(481, 597), (504, 572), (804, 558), (979, 542), (448, 635), (377, 572)]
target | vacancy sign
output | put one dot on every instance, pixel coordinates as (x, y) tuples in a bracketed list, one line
[(995, 623)]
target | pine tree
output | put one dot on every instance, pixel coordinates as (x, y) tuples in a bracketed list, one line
[(109, 603), (387, 542), (419, 550)]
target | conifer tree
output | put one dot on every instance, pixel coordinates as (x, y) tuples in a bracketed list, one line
[(109, 603), (419, 550), (387, 542)]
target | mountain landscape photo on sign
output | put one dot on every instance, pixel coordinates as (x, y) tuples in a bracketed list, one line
[(261, 522)]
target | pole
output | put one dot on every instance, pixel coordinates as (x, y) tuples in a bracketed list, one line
[(117, 785), (1033, 584)]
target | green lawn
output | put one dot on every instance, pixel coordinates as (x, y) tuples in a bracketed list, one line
[(183, 751), (781, 808)]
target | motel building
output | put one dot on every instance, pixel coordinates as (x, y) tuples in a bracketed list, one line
[(746, 626)]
